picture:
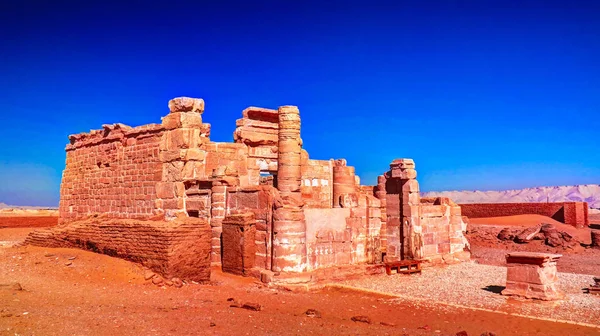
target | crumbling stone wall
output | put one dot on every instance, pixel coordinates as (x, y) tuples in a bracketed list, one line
[(112, 171), (571, 213)]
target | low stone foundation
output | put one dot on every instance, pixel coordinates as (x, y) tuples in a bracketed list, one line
[(178, 248), (532, 275)]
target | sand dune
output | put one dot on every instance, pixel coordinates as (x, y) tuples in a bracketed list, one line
[(580, 193)]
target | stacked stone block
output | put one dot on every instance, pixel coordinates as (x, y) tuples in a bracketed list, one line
[(381, 194), (258, 130), (183, 158), (173, 249)]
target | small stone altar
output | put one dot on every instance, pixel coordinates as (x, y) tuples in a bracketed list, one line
[(532, 275)]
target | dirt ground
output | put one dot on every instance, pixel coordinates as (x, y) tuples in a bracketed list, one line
[(74, 292)]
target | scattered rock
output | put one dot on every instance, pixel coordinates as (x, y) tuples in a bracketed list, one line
[(7, 315), (230, 299), (212, 324), (68, 263), (313, 313), (462, 333), (527, 235), (71, 258), (488, 333), (566, 237), (169, 283), (506, 234), (148, 275), (387, 324), (247, 305), (425, 327), (12, 286), (49, 255), (157, 280), (361, 318), (252, 306), (554, 240), (177, 283)]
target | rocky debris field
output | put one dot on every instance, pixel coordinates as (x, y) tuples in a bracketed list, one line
[(490, 243)]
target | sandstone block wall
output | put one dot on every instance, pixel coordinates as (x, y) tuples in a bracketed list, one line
[(173, 249), (442, 230), (112, 171), (317, 183), (239, 247), (571, 213), (258, 129), (259, 202)]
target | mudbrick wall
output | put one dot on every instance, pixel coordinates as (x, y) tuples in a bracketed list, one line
[(173, 249), (571, 213)]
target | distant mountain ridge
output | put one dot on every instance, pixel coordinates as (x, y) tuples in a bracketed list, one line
[(580, 193)]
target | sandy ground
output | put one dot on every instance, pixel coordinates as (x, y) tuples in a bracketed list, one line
[(74, 292), (27, 221)]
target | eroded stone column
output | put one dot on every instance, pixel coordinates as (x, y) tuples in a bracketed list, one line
[(344, 179), (289, 226)]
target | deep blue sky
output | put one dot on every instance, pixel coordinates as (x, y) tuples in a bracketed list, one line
[(482, 94)]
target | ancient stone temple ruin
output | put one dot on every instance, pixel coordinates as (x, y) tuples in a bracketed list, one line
[(160, 194)]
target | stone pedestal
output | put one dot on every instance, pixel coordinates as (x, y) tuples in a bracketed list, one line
[(239, 246), (532, 275)]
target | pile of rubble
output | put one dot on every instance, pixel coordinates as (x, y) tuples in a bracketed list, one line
[(546, 232)]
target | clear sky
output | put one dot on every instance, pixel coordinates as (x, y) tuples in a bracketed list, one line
[(482, 94)]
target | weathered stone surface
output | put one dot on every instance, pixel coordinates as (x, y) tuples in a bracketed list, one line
[(170, 249), (527, 235), (186, 104), (532, 275), (239, 247)]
